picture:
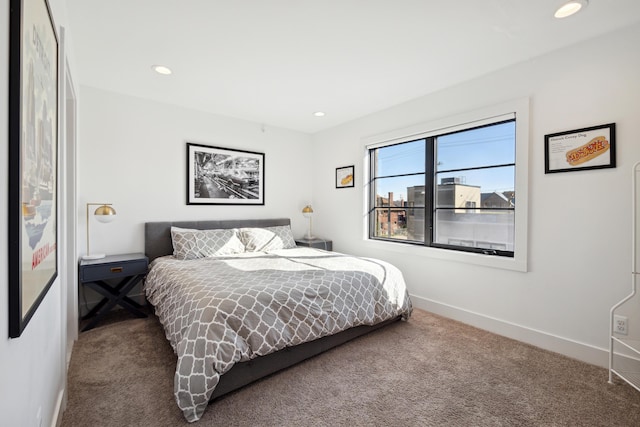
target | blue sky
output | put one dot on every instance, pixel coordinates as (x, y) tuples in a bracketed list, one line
[(473, 148)]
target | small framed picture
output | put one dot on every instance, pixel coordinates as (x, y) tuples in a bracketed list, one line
[(580, 149), (344, 176)]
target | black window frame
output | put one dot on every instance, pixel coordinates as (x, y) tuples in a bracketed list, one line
[(430, 179)]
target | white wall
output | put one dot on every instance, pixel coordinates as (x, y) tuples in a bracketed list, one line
[(579, 222), (132, 153), (32, 367)]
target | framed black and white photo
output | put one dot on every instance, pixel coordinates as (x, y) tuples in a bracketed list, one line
[(344, 177), (33, 153), (224, 176), (580, 149)]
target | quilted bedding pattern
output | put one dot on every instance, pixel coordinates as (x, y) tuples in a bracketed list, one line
[(219, 311)]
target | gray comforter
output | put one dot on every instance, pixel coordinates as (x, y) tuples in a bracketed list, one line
[(223, 310)]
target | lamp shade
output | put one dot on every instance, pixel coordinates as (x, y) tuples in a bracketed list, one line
[(307, 211), (105, 213)]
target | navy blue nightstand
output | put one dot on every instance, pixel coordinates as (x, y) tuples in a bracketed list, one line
[(94, 274), (316, 242)]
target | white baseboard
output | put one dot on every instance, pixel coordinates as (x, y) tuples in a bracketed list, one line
[(567, 347), (61, 403)]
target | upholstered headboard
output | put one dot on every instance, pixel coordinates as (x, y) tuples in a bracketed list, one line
[(157, 235)]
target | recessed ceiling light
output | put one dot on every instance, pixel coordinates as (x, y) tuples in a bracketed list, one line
[(570, 8), (318, 114), (161, 69)]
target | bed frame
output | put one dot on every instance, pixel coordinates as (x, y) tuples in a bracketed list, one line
[(158, 243)]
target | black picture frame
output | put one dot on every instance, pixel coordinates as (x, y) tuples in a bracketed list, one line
[(580, 149), (345, 176), (33, 154), (224, 176)]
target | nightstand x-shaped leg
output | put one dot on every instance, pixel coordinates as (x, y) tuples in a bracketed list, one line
[(114, 295)]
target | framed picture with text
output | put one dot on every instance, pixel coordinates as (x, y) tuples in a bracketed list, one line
[(580, 149), (33, 154)]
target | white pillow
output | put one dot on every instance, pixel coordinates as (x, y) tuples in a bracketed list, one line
[(194, 244), (267, 238)]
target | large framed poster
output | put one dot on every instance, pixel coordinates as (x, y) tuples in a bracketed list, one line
[(33, 153), (224, 176)]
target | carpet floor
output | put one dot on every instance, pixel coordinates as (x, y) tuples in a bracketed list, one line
[(429, 371)]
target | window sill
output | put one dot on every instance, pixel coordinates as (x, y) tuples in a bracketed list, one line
[(491, 261)]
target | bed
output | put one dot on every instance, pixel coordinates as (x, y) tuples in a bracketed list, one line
[(238, 301)]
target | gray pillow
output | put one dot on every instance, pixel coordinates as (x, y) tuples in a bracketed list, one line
[(267, 238), (194, 244)]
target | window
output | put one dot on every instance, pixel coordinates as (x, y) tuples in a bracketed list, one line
[(451, 189)]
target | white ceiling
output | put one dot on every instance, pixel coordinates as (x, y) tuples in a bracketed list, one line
[(276, 62)]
